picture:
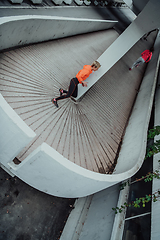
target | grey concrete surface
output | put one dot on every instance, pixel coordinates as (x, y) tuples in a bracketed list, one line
[(28, 29), (155, 231), (124, 16), (100, 217), (92, 218), (119, 78), (28, 214)]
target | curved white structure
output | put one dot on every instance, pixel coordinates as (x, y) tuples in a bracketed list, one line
[(33, 28), (48, 171), (15, 133)]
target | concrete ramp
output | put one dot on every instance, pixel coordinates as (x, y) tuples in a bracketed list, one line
[(50, 172), (88, 133), (32, 76)]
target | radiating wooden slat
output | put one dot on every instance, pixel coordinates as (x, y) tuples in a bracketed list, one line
[(87, 133)]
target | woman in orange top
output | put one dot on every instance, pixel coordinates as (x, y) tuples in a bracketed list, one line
[(80, 78)]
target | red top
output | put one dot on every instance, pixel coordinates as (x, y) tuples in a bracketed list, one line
[(146, 55), (84, 73)]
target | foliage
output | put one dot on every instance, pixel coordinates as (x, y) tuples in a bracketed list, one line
[(153, 132), (150, 151), (153, 149), (139, 202), (150, 176), (143, 200), (122, 186)]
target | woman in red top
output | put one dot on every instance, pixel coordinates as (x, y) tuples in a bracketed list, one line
[(80, 77), (145, 57)]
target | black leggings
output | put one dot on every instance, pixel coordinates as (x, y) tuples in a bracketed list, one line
[(72, 90)]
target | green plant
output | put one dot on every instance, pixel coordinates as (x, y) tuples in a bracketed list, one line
[(143, 200), (150, 151), (139, 202), (122, 185), (150, 176), (153, 132), (147, 178), (153, 149)]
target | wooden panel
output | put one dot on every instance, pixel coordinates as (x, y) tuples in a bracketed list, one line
[(88, 133)]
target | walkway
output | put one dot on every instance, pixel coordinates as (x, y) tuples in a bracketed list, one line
[(88, 133)]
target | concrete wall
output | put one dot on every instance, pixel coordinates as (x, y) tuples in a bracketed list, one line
[(139, 5), (134, 143), (135, 5), (22, 30), (48, 171), (155, 232), (15, 134)]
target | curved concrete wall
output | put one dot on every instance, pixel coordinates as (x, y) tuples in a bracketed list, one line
[(133, 148), (15, 134), (48, 171), (27, 29), (155, 233)]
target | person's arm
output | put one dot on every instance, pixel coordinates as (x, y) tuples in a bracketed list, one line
[(84, 84)]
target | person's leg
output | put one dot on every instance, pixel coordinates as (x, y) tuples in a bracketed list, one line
[(62, 91), (75, 93), (71, 90), (139, 61)]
